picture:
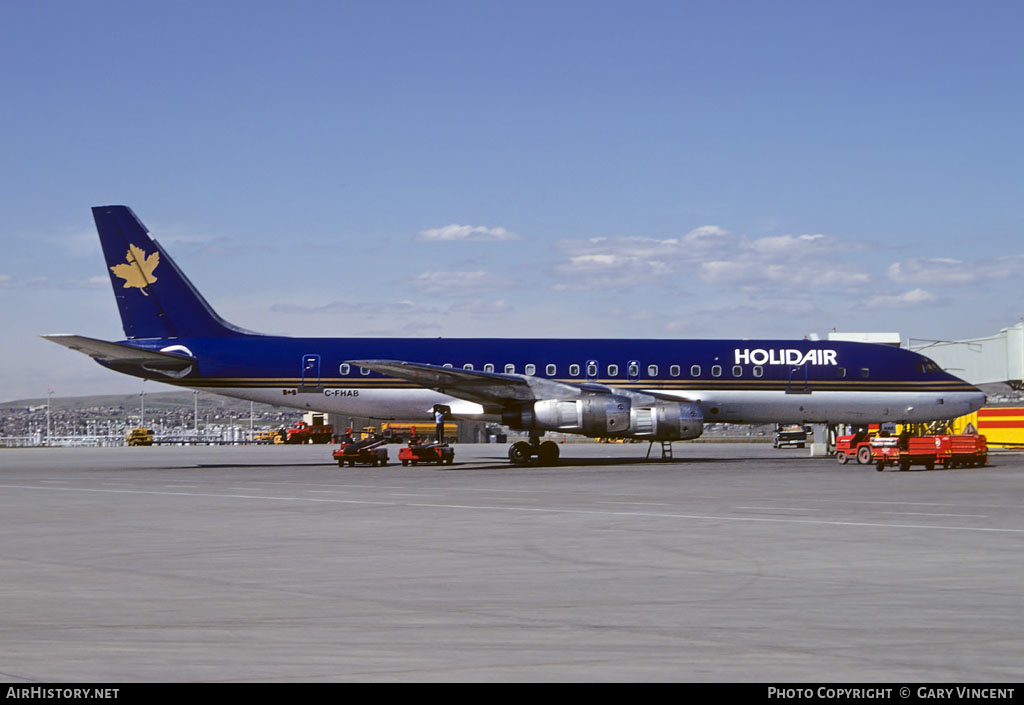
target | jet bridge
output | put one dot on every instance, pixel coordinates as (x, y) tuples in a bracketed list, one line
[(995, 364)]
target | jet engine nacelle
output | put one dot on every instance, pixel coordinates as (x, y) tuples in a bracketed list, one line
[(610, 415), (591, 415), (667, 421)]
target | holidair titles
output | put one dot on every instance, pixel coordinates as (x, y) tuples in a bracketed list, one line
[(784, 356)]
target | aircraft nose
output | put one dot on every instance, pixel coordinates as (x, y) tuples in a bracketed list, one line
[(976, 399)]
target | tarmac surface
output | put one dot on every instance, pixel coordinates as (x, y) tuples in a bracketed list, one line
[(730, 563)]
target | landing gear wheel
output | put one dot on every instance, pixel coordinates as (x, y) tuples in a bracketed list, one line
[(519, 453), (863, 455), (547, 453)]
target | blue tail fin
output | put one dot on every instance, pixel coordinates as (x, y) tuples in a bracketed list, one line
[(155, 298)]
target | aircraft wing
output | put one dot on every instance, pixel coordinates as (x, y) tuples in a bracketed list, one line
[(474, 385), (118, 354)]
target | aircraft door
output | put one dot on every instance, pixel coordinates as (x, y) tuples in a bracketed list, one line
[(310, 370), (799, 380)]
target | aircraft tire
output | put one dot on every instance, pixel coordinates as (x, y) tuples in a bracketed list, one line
[(547, 453), (519, 453)]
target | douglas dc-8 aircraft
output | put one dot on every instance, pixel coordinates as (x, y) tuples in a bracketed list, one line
[(657, 390)]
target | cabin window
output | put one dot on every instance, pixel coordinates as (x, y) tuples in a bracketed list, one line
[(865, 372), (344, 368), (574, 370), (510, 369), (737, 371), (674, 370), (448, 365), (716, 370), (364, 370), (840, 372), (652, 370), (758, 371), (468, 366), (488, 367), (695, 371), (531, 369), (613, 370), (551, 370)]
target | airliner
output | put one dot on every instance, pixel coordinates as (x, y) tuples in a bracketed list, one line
[(655, 390)]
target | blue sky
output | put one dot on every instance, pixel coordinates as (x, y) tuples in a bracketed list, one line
[(528, 169)]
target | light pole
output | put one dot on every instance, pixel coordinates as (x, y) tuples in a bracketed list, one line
[(49, 395)]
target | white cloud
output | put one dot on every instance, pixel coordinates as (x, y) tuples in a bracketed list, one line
[(794, 246), (948, 271), (480, 308), (364, 309), (9, 282), (715, 256), (706, 233), (454, 282), (908, 299), (97, 282), (467, 233)]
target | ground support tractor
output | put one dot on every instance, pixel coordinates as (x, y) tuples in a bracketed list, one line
[(368, 451), (949, 451), (139, 437), (856, 446), (302, 432), (416, 452)]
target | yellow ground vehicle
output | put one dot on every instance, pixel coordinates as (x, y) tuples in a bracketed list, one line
[(139, 437)]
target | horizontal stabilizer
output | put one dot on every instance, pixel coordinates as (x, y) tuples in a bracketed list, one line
[(119, 354)]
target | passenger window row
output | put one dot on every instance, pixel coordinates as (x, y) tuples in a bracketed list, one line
[(633, 370)]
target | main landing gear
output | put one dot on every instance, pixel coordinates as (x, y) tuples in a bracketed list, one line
[(521, 452)]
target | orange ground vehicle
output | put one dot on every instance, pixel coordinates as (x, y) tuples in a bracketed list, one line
[(302, 432), (417, 452), (949, 451), (368, 451), (856, 446)]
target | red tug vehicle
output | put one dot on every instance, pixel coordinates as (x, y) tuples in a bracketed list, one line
[(419, 452), (947, 450), (369, 451)]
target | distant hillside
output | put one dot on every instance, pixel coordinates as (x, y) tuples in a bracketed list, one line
[(159, 401)]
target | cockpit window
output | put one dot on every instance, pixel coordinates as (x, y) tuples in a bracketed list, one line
[(927, 365)]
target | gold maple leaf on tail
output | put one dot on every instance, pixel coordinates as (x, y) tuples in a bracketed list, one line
[(138, 272)]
